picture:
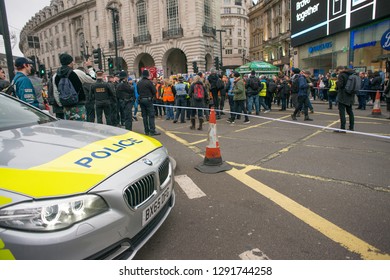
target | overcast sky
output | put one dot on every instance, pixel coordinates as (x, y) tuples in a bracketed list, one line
[(19, 12)]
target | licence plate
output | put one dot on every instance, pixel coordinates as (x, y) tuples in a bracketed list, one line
[(153, 209)]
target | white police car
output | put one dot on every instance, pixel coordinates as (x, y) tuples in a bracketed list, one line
[(77, 190)]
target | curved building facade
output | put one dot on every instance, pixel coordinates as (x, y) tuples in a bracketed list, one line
[(169, 34)]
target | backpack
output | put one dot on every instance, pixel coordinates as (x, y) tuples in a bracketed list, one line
[(198, 92), (272, 87), (353, 84), (295, 85), (254, 83), (67, 93)]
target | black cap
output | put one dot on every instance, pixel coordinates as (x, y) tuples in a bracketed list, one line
[(236, 74), (20, 61)]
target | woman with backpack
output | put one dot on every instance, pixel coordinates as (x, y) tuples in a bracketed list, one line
[(198, 98)]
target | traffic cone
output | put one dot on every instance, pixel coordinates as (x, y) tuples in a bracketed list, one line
[(376, 110), (213, 160)]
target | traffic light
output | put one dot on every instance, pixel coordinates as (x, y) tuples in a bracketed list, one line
[(97, 57), (216, 62), (110, 62), (195, 67), (42, 70)]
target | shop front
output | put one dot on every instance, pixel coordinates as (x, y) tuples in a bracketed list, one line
[(322, 56), (367, 52)]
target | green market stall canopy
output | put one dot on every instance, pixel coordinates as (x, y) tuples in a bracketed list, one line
[(260, 67)]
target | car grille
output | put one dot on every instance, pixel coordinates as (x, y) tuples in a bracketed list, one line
[(163, 170), (140, 191)]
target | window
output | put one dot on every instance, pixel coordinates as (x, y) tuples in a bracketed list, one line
[(54, 60), (142, 20), (239, 42), (227, 11), (64, 41), (226, 2), (58, 43), (238, 2), (239, 32), (95, 14), (63, 26), (207, 14), (228, 51), (56, 29), (50, 33), (97, 31), (173, 14)]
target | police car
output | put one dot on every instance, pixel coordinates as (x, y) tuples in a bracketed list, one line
[(77, 190)]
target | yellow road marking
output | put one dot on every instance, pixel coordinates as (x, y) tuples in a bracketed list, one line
[(325, 227), (330, 230)]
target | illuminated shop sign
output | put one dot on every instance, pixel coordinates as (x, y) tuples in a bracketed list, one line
[(368, 44), (320, 47), (315, 19), (385, 41)]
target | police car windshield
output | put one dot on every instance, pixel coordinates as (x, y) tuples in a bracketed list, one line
[(15, 114)]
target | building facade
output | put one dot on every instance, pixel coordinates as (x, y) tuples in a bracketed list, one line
[(169, 34), (234, 34), (270, 31), (326, 34)]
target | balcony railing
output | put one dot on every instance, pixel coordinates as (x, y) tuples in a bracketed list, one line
[(142, 39), (210, 31), (120, 44), (172, 33)]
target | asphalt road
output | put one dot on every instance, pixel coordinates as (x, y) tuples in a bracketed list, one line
[(296, 190)]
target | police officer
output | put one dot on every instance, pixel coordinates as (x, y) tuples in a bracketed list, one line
[(103, 95), (126, 97)]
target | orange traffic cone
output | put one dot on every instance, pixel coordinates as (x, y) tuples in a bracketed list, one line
[(213, 160), (376, 110)]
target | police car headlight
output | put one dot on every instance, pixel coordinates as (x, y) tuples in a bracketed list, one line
[(50, 215)]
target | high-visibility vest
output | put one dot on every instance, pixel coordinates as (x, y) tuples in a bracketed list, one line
[(168, 94), (263, 92), (332, 85), (158, 93)]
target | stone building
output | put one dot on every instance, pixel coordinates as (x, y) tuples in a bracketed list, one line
[(168, 34), (235, 32), (270, 31)]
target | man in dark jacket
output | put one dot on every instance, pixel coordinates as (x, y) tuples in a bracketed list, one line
[(213, 79), (253, 87), (345, 100), (126, 97), (78, 111), (147, 91), (102, 94)]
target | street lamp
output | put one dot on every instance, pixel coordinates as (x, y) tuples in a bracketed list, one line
[(115, 20), (220, 44)]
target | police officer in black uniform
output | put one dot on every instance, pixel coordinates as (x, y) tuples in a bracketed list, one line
[(103, 95), (126, 98)]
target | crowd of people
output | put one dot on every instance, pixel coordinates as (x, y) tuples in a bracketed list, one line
[(84, 94)]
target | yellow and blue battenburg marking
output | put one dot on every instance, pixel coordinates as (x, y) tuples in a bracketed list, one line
[(79, 170)]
